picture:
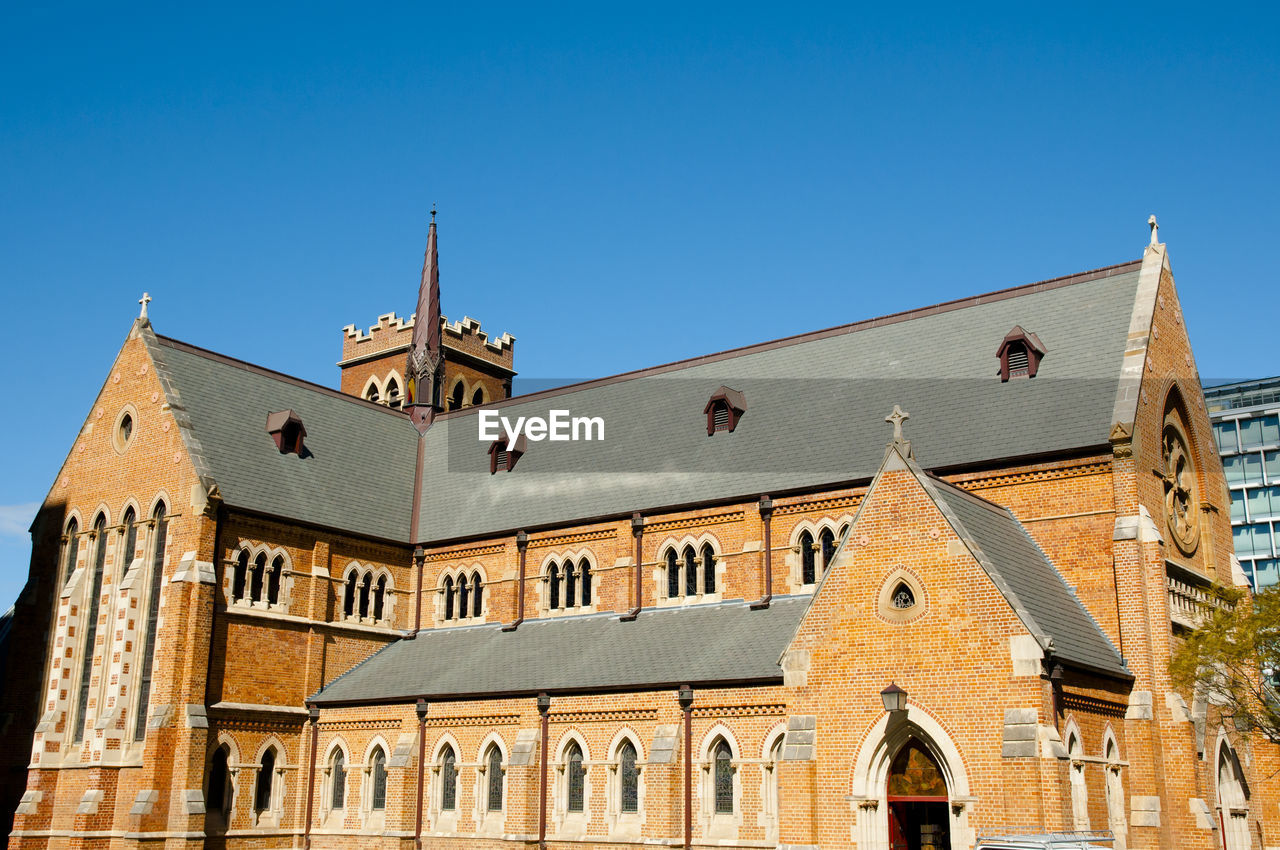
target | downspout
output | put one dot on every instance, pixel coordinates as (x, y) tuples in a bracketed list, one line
[(686, 705), (544, 707), (766, 517), (522, 544), (637, 531), (421, 709), (419, 560), (313, 714)]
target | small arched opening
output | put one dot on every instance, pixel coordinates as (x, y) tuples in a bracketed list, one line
[(917, 797)]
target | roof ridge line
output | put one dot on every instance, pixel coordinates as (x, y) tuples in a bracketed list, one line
[(822, 333), (267, 372)]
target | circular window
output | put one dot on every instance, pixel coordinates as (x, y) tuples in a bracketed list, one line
[(1181, 499), (126, 422)]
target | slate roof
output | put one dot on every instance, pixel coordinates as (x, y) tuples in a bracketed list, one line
[(815, 412), (704, 645), (358, 472), (1047, 605)]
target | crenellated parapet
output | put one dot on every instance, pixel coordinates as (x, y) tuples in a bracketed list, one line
[(370, 358)]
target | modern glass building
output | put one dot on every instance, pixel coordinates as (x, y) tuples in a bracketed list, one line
[(1246, 423)]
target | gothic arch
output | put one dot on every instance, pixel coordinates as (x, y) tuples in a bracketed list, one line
[(374, 384), (870, 777)]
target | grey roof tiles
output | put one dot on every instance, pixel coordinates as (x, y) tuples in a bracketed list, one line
[(664, 647)]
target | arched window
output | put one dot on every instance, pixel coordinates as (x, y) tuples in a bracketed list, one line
[(1079, 793), (379, 597), (130, 540), (349, 594), (477, 596), (902, 597), (708, 569), (628, 779), (1114, 788), (493, 767), (69, 558), (266, 774), (584, 569), (257, 574), (159, 539), (448, 779), (371, 392), (827, 540), (808, 570), (273, 582), (378, 773), (575, 779), (464, 596), (455, 397), (1233, 801), (690, 572), (239, 575), (366, 586), (219, 787), (553, 587), (570, 584), (448, 597), (393, 394), (478, 396), (91, 622), (722, 758), (673, 574), (771, 781), (338, 780)]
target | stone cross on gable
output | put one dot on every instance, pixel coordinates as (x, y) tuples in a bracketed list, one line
[(1155, 230), (896, 419), (144, 301)]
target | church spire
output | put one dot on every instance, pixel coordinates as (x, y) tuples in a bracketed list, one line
[(424, 371)]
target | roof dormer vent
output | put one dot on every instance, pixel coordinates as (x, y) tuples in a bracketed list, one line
[(285, 428), (1020, 354), (502, 458), (724, 409)]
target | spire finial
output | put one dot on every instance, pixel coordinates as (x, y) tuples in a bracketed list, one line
[(896, 419), (1155, 230), (144, 301), (433, 213)]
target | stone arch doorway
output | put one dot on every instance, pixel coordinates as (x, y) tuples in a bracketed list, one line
[(893, 739), (1233, 800), (917, 797)]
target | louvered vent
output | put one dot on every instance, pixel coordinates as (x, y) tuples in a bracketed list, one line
[(720, 417), (500, 459), (1019, 360)]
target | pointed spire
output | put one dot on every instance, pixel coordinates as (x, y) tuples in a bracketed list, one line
[(423, 370)]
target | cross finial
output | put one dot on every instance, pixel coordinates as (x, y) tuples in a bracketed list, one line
[(433, 213), (144, 301), (896, 419), (1155, 230)]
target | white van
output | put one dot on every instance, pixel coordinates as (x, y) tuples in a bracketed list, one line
[(1078, 840)]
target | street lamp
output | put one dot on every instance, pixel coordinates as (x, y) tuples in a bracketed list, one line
[(894, 698)]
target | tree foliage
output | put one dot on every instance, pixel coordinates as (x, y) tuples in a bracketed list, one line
[(1232, 658)]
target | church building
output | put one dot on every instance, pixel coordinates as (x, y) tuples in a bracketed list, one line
[(892, 585)]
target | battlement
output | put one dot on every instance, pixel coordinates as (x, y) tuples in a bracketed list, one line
[(372, 359), (393, 333)]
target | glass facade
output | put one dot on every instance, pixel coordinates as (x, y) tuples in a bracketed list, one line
[(1246, 426)]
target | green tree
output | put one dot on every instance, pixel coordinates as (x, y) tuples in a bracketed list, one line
[(1233, 657)]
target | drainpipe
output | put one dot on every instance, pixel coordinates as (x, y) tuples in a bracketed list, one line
[(686, 705), (637, 531), (419, 558), (522, 543), (313, 714), (544, 707), (421, 709), (766, 516)]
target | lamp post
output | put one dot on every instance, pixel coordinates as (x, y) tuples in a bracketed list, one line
[(894, 698)]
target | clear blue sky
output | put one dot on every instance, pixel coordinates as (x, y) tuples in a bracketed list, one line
[(617, 187)]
